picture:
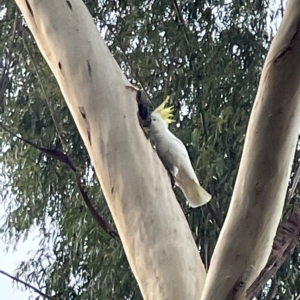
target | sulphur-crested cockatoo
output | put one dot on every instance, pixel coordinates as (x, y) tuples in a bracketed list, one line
[(174, 156)]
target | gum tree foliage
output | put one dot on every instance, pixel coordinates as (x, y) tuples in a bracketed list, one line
[(207, 55)]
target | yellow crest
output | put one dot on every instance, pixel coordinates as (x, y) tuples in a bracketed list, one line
[(166, 112)]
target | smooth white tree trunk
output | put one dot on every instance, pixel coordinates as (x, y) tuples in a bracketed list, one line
[(156, 237), (246, 239)]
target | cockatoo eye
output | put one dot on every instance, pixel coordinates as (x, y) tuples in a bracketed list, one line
[(153, 119)]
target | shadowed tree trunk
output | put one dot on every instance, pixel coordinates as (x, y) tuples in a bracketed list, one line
[(155, 235)]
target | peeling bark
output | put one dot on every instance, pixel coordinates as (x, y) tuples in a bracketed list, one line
[(247, 235), (156, 237), (286, 239)]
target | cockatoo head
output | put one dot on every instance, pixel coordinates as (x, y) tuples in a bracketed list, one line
[(162, 116)]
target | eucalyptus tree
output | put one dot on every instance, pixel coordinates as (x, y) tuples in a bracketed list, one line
[(208, 57)]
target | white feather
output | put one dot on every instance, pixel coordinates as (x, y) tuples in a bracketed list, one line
[(175, 158)]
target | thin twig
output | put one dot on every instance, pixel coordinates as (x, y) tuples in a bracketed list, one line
[(183, 25), (103, 224), (62, 157), (128, 61), (214, 215), (281, 8), (27, 285), (44, 92)]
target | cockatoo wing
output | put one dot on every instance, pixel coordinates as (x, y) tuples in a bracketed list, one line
[(174, 156)]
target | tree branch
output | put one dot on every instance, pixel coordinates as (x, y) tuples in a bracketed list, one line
[(247, 235), (101, 222), (214, 215), (62, 157), (27, 285), (182, 23), (285, 241)]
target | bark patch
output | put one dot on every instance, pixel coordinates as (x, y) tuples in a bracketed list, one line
[(69, 4), (291, 44), (87, 124), (29, 8), (89, 68)]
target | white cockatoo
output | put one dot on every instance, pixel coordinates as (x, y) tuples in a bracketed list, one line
[(174, 156)]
